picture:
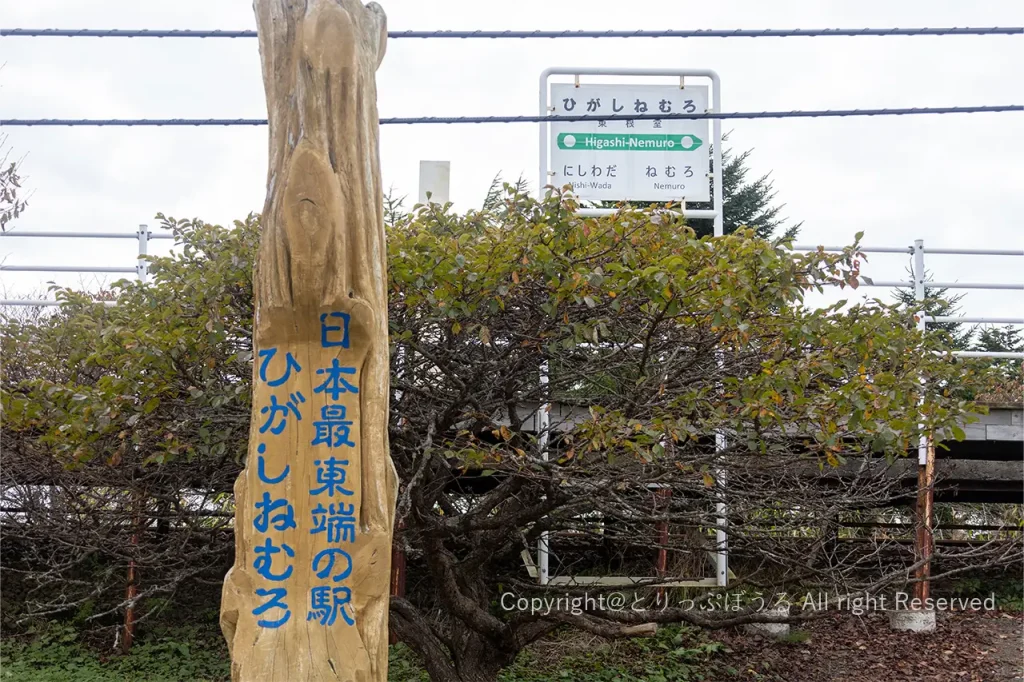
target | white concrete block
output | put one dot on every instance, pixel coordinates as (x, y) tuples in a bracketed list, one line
[(773, 630), (912, 620)]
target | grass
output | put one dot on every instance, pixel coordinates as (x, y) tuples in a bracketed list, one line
[(192, 654), (55, 654), (675, 654)]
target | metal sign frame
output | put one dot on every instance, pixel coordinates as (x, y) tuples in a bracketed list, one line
[(721, 556), (716, 131)]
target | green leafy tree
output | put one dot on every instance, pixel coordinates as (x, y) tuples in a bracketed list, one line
[(653, 339), (124, 429), (632, 338)]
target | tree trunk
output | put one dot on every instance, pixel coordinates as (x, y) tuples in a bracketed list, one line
[(478, 665), (466, 656), (307, 597), (483, 665), (476, 659)]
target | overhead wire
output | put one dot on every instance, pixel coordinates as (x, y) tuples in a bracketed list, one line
[(409, 120), (695, 33), (494, 35)]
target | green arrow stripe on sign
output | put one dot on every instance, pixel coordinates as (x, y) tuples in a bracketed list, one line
[(630, 142)]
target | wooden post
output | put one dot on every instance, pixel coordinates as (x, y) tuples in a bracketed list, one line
[(132, 590), (307, 597), (924, 541), (663, 495)]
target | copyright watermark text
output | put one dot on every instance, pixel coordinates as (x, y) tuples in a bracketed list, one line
[(577, 604)]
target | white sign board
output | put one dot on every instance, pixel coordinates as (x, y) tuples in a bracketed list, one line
[(648, 160)]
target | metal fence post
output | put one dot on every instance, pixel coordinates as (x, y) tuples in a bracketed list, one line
[(543, 425), (919, 292), (718, 202), (922, 326), (722, 521), (925, 453), (142, 269), (717, 173), (721, 509)]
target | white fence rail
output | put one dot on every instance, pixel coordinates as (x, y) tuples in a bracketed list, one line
[(918, 282), (141, 269)]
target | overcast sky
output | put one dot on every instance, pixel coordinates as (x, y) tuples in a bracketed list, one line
[(953, 180)]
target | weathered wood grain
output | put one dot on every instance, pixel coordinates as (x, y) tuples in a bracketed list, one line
[(321, 252)]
